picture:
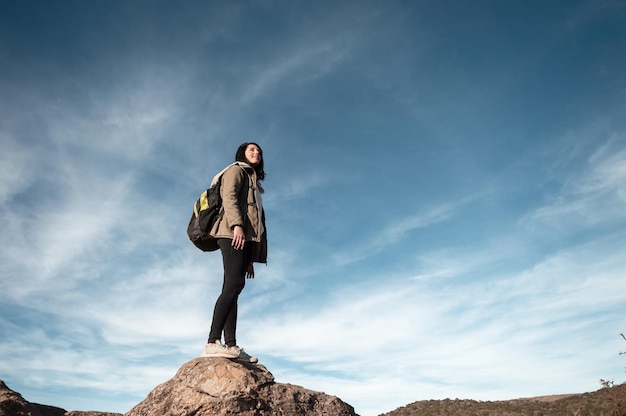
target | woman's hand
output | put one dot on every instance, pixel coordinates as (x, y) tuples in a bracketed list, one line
[(250, 271), (239, 238)]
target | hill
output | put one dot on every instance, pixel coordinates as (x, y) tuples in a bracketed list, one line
[(608, 401)]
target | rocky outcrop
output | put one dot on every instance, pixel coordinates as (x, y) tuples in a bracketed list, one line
[(13, 404), (219, 386)]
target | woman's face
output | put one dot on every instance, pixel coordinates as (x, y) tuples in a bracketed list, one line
[(253, 155)]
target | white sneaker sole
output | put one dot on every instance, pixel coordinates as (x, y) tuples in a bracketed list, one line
[(218, 355)]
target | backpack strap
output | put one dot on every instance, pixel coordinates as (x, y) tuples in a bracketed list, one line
[(217, 177)]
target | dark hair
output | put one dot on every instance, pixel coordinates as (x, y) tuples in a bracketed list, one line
[(240, 156)]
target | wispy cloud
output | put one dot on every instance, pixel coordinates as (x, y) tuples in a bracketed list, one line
[(303, 64), (17, 168), (507, 290), (83, 171), (395, 231), (124, 122), (595, 195), (413, 331), (298, 187)]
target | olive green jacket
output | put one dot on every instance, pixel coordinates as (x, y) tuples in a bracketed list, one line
[(242, 205)]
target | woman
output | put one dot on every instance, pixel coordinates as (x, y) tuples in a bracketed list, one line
[(241, 237)]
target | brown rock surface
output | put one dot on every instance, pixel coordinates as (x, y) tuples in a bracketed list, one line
[(90, 413), (219, 386), (13, 404)]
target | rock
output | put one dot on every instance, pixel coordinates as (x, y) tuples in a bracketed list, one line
[(13, 404), (90, 413), (219, 386)]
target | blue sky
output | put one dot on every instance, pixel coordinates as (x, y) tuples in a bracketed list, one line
[(446, 194)]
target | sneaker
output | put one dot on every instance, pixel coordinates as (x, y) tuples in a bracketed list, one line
[(217, 349), (244, 356)]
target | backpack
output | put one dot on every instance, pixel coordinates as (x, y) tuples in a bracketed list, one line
[(206, 211)]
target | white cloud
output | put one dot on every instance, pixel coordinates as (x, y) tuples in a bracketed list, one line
[(594, 196), (471, 338), (295, 187), (303, 65), (47, 243), (394, 231), (82, 167), (18, 168), (124, 123), (169, 303), (95, 276), (608, 167)]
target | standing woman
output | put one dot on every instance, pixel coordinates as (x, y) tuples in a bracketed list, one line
[(241, 237)]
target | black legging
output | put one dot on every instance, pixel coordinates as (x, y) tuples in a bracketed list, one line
[(225, 312)]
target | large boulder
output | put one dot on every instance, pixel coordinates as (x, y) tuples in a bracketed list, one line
[(219, 386)]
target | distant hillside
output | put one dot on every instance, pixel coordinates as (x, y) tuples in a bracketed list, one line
[(604, 402)]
